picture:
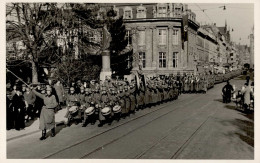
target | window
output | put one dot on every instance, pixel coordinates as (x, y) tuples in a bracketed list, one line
[(162, 36), (141, 39), (142, 59), (162, 59), (128, 13), (162, 12), (175, 59), (175, 37), (129, 37), (141, 12)]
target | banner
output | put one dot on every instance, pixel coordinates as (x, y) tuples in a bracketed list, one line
[(184, 29)]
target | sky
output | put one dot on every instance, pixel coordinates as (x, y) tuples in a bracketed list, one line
[(240, 17)]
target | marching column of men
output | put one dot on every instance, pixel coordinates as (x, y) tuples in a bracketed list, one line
[(88, 102), (112, 100), (196, 83)]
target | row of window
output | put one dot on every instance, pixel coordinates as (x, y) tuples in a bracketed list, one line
[(162, 35), (162, 59), (159, 11)]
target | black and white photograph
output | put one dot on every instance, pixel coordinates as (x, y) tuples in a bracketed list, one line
[(130, 80)]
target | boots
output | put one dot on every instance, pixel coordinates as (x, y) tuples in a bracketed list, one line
[(53, 132), (43, 135), (101, 123)]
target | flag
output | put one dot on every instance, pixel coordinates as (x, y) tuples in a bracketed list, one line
[(184, 29)]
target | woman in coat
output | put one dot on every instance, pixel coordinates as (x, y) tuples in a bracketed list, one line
[(246, 91), (47, 117)]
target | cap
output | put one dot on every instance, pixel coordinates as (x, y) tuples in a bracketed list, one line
[(82, 88), (72, 88)]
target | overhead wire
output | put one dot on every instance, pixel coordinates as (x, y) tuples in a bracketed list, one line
[(204, 13)]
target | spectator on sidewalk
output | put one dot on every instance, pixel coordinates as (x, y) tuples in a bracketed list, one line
[(29, 98), (18, 106), (246, 91)]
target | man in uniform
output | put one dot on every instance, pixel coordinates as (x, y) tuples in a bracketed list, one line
[(114, 100), (105, 100), (89, 101), (132, 98), (72, 101), (122, 103), (92, 85), (82, 102), (127, 100)]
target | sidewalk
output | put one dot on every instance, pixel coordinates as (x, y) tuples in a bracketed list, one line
[(34, 127)]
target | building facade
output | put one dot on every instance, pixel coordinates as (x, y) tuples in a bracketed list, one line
[(155, 31)]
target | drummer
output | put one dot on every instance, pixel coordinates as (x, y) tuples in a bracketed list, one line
[(89, 102), (72, 100), (81, 97), (105, 99)]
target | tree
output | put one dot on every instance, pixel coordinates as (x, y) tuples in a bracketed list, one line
[(120, 56), (33, 24)]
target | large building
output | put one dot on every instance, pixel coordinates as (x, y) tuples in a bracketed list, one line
[(156, 34)]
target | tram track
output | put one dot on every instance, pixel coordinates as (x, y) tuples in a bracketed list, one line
[(119, 125), (169, 132), (165, 136), (114, 140)]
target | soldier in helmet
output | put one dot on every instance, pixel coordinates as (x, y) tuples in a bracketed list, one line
[(114, 101), (72, 103), (127, 100), (132, 98), (89, 102), (105, 102), (122, 103), (92, 85), (142, 95), (82, 102)]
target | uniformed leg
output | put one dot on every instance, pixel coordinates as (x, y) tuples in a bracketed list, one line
[(43, 135), (53, 132)]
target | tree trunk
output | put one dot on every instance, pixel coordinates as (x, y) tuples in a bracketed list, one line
[(34, 72)]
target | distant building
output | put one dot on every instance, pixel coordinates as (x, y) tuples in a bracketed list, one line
[(252, 49), (244, 54)]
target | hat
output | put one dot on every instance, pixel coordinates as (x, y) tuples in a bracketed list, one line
[(72, 88), (82, 88), (23, 85)]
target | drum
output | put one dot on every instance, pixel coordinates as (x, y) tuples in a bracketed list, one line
[(117, 109), (106, 111), (73, 109), (90, 110)]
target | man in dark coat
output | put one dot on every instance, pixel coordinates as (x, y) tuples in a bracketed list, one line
[(227, 90), (18, 106)]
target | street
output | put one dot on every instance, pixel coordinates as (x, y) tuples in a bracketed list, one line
[(195, 126)]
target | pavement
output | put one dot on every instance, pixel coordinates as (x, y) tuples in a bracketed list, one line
[(33, 126), (196, 126)]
